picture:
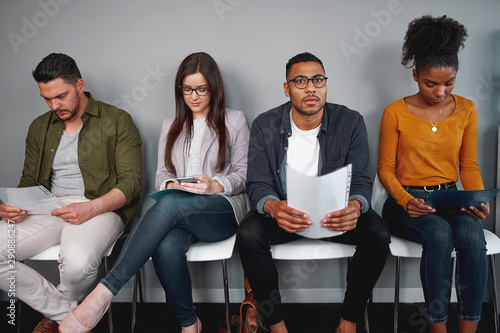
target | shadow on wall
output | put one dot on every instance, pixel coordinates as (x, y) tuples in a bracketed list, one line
[(495, 109), (389, 81), (495, 79)]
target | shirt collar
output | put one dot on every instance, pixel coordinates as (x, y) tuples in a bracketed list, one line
[(286, 126), (92, 107)]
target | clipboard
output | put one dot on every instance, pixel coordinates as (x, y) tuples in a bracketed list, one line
[(461, 199)]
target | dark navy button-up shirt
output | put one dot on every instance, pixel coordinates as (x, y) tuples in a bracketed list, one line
[(342, 140)]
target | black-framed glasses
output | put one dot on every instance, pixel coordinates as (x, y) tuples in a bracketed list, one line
[(301, 82), (200, 91)]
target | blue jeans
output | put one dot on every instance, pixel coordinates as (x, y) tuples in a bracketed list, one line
[(439, 233), (165, 233)]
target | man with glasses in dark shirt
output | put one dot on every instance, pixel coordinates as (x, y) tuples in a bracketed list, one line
[(315, 138)]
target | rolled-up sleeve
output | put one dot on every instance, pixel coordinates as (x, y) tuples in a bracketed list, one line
[(361, 182), (128, 158), (261, 184)]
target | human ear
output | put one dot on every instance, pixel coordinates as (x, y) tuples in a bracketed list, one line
[(80, 84), (286, 89), (415, 75)]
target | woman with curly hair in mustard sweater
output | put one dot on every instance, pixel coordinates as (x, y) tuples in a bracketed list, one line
[(427, 141)]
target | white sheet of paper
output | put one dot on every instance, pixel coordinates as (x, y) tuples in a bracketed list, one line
[(318, 196), (33, 199)]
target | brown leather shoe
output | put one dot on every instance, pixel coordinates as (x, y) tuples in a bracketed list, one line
[(46, 326)]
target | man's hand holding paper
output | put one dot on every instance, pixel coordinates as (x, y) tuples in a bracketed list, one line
[(343, 219), (324, 200), (289, 219), (10, 213)]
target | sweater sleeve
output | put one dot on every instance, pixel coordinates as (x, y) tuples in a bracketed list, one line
[(387, 152), (468, 168), (162, 174), (234, 181)]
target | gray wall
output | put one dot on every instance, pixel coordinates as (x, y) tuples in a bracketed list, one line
[(128, 52)]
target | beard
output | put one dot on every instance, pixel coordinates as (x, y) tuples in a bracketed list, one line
[(309, 110), (72, 112)]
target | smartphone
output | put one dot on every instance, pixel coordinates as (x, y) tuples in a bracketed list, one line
[(186, 180)]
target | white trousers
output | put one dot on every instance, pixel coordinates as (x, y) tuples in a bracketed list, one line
[(82, 247)]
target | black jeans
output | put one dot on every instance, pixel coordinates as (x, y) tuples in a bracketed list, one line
[(256, 234)]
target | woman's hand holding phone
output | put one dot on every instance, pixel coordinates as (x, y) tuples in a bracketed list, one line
[(201, 184)]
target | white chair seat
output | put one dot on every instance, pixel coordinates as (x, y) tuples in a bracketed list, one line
[(201, 251), (306, 249), (51, 253), (492, 243)]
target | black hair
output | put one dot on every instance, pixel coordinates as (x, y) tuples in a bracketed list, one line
[(57, 65), (302, 57), (433, 42)]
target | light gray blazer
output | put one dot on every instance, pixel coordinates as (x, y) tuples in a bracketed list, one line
[(235, 169)]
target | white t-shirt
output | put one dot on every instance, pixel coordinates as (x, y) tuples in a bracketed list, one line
[(303, 150)]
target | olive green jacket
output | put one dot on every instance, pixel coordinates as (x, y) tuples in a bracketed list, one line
[(109, 153)]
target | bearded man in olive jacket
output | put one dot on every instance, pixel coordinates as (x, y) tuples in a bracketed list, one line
[(88, 154)]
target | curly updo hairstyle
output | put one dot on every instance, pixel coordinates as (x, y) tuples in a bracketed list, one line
[(433, 42)]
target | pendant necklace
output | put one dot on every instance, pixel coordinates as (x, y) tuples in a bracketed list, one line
[(434, 125)]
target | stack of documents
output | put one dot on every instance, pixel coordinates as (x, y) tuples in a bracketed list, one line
[(318, 196), (34, 199)]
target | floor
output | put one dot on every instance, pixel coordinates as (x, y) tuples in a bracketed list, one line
[(301, 318)]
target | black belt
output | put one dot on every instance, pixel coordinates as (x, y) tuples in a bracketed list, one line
[(444, 186)]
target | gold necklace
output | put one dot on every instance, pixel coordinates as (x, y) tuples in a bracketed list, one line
[(434, 128), (434, 125)]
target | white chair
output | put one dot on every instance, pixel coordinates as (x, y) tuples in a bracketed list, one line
[(52, 253), (200, 251), (403, 248), (314, 249)]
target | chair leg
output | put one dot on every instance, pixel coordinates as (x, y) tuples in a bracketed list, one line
[(134, 300), (139, 280), (110, 315), (19, 303), (452, 274), (226, 293), (396, 294), (367, 325), (19, 315), (494, 292)]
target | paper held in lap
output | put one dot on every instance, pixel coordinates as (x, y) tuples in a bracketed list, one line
[(33, 199), (318, 196)]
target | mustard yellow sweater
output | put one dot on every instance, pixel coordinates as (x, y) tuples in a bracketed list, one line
[(410, 153)]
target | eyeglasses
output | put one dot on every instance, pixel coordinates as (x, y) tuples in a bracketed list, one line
[(301, 82), (200, 91)]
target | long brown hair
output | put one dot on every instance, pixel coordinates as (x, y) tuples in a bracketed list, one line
[(216, 120)]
